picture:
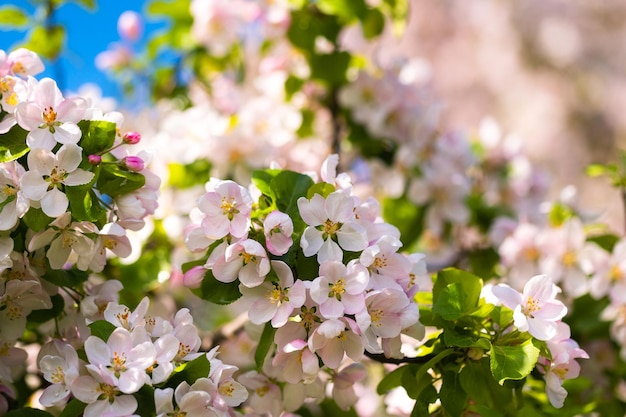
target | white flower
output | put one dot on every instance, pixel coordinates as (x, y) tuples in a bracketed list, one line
[(49, 173)]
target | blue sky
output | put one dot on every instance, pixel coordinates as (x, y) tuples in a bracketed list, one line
[(88, 33)]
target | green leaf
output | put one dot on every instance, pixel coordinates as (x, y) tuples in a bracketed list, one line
[(102, 329), (488, 393), (456, 293), (347, 10), (265, 345), (288, 187), (373, 23), (218, 292), (453, 396), (74, 408), (190, 371), (41, 316), (392, 380), (293, 85), (606, 241), (176, 9), (85, 205), (186, 176), (115, 181), (13, 17), (87, 4), (28, 412), (262, 179), (36, 220), (46, 41), (415, 381), (461, 338), (97, 136), (306, 25), (65, 277), (322, 188), (406, 216), (330, 68), (597, 170), (513, 362), (145, 399), (13, 144)]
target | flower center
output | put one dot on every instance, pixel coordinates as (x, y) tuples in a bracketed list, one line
[(229, 207), (376, 315), (569, 258), (49, 116), (330, 228), (530, 253), (118, 364), (108, 391), (337, 289), (277, 295), (532, 306), (226, 389), (616, 274), (58, 376), (56, 177), (247, 258)]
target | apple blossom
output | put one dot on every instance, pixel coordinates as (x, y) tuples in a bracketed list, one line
[(278, 228), (329, 219), (334, 338), (275, 300), (50, 118), (49, 173), (102, 396), (61, 372), (340, 289), (245, 260), (536, 310), (226, 209)]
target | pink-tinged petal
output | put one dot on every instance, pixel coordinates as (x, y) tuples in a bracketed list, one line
[(262, 311), (239, 226), (215, 227), (29, 115), (329, 251), (331, 328), (78, 177), (197, 403), (339, 207), (67, 134), (556, 393), (33, 185), (8, 216), (142, 355), (123, 405), (332, 353), (69, 111), (69, 157), (41, 160), (313, 211), (388, 326), (419, 191), (278, 244), (251, 275), (552, 310), (41, 239), (353, 346), (332, 308), (194, 277), (85, 388), (282, 314), (352, 237), (55, 394), (310, 362), (507, 295), (47, 93), (353, 304), (58, 253), (540, 287), (285, 275), (97, 351), (41, 139), (54, 203), (519, 319), (297, 294), (227, 271), (311, 241), (131, 380)]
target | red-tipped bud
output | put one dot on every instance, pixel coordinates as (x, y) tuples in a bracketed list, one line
[(94, 159), (133, 163), (131, 138)]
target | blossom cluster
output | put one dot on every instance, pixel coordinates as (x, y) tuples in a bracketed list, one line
[(328, 276), (70, 190), (141, 350)]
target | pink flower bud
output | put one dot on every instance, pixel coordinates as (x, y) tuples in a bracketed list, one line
[(131, 138), (130, 25), (94, 159), (133, 163)]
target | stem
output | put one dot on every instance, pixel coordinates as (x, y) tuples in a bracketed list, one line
[(421, 360)]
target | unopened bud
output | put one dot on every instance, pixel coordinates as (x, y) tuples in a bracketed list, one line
[(94, 159), (130, 25), (475, 354), (131, 138), (133, 163)]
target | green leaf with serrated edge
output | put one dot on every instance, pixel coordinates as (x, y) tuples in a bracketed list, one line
[(190, 371), (74, 408), (265, 345), (288, 187), (392, 380), (13, 17), (488, 392), (41, 316), (501, 317), (321, 188), (85, 205), (452, 395), (262, 179), (513, 362), (69, 278), (102, 329), (13, 144), (414, 384), (454, 302), (97, 136), (28, 412), (219, 292)]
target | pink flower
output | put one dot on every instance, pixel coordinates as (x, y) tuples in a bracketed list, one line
[(340, 289), (24, 62), (50, 118), (278, 229), (334, 338), (102, 396), (133, 163), (331, 226), (61, 372), (130, 25), (275, 300), (536, 310), (227, 210), (245, 260)]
